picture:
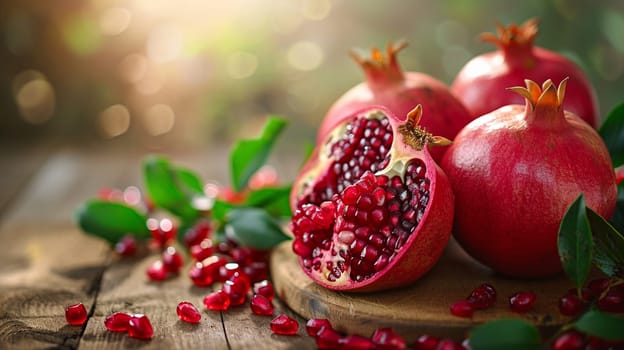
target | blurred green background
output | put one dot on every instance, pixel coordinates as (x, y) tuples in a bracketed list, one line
[(156, 74)]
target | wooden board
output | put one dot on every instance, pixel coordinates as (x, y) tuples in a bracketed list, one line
[(422, 308)]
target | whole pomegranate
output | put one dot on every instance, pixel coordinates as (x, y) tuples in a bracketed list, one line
[(387, 85), (514, 173), (481, 84), (372, 208)]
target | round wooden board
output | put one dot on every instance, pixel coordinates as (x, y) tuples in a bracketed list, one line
[(422, 308)]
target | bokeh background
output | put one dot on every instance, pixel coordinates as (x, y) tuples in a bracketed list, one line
[(161, 75)]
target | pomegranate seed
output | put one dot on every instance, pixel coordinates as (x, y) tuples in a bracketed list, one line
[(237, 291), (172, 260), (597, 286), (356, 342), (140, 327), (482, 297), (228, 270), (197, 234), (386, 339), (284, 325), (157, 271), (522, 301), (163, 232), (426, 342), (256, 271), (217, 301), (569, 341), (118, 322), (613, 300), (314, 325), (447, 344), (462, 308), (126, 246), (200, 276), (241, 255), (76, 315), (264, 288), (202, 250), (327, 338), (212, 265), (187, 312), (570, 305), (260, 305)]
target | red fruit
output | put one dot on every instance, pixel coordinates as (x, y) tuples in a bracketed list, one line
[(426, 342), (570, 305), (462, 308), (619, 174), (372, 209), (613, 300), (157, 271), (187, 312), (200, 276), (217, 301), (172, 260), (356, 342), (447, 344), (387, 85), (327, 338), (163, 232), (482, 84), (514, 173), (237, 291), (386, 339), (198, 233), (264, 288), (597, 286), (126, 246), (140, 327), (76, 315), (262, 306), (522, 301), (482, 297), (314, 325), (569, 341), (284, 325), (118, 322), (256, 271), (202, 250)]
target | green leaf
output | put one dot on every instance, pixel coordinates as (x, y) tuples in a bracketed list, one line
[(253, 227), (249, 155), (575, 243), (111, 220), (220, 210), (617, 220), (275, 200), (612, 132), (602, 325), (509, 334), (609, 245), (189, 180), (168, 189)]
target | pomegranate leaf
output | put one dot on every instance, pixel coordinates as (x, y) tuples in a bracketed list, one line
[(254, 228), (275, 200), (609, 245), (617, 220), (575, 243), (190, 180), (111, 220), (602, 325), (171, 189), (512, 334), (612, 132), (220, 210), (249, 155)]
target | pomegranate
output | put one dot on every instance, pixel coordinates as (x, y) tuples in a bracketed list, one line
[(387, 85), (514, 173), (481, 84), (372, 210)]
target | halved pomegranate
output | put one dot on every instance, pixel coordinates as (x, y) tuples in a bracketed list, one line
[(372, 209)]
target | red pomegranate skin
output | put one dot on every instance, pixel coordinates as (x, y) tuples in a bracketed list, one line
[(482, 83), (388, 85), (514, 173)]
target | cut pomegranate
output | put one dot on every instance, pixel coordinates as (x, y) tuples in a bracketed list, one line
[(76, 314), (522, 301), (187, 312), (372, 209), (118, 322), (217, 301), (462, 308), (314, 325), (127, 246), (571, 340), (264, 288), (387, 339), (327, 338), (172, 260), (140, 327), (426, 342), (157, 271), (284, 325), (356, 342), (202, 250), (262, 306), (570, 304)]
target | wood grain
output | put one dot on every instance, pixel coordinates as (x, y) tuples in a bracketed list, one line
[(422, 308)]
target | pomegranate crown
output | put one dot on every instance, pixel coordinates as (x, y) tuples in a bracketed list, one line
[(415, 135), (378, 65), (513, 35), (547, 95)]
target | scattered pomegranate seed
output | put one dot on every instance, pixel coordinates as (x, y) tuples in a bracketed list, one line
[(314, 325), (385, 338), (228, 270), (118, 322), (157, 271), (202, 250), (462, 308), (264, 288), (200, 276), (217, 301), (284, 325), (448, 344), (262, 306), (256, 271), (76, 315), (570, 304), (241, 255), (426, 342), (127, 246), (522, 301), (613, 300), (569, 341), (327, 338), (172, 260), (163, 232), (187, 312), (356, 342), (196, 234), (597, 286), (482, 297), (140, 327)]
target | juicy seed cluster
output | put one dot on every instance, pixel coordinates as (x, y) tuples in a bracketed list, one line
[(364, 146)]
